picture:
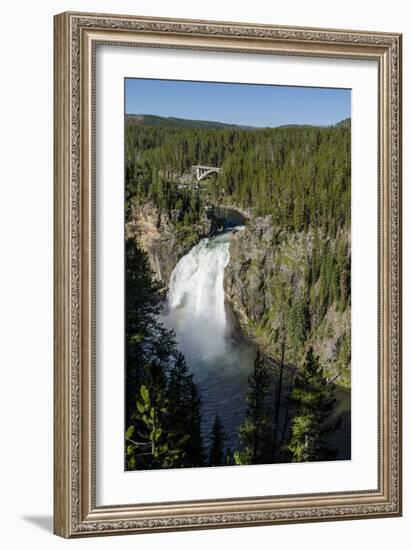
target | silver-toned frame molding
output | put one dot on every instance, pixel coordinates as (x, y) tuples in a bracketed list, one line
[(75, 38)]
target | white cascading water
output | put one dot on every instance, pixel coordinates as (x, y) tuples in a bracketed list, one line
[(217, 356), (196, 299)]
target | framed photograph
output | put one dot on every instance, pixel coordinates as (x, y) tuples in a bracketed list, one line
[(227, 274)]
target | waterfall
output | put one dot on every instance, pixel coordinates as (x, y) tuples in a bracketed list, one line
[(196, 298), (217, 355)]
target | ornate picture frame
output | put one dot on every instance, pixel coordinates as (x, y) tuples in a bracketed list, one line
[(76, 36)]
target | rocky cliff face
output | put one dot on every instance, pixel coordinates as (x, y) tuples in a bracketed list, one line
[(265, 269), (163, 242)]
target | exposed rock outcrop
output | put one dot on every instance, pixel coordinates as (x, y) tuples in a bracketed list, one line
[(163, 242), (264, 264)]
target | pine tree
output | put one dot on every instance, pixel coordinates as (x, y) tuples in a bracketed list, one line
[(278, 397), (149, 443), (312, 400), (217, 439), (255, 432), (298, 320), (184, 421), (142, 308)]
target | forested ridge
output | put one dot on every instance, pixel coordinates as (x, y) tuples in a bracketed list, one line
[(175, 122), (299, 175), (296, 179)]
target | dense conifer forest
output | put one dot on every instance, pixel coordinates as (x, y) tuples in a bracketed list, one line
[(299, 177)]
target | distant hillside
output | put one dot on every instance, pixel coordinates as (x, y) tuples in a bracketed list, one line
[(301, 126), (346, 123), (343, 123), (173, 122)]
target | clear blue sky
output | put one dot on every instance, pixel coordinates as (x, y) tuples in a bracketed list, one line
[(248, 104)]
